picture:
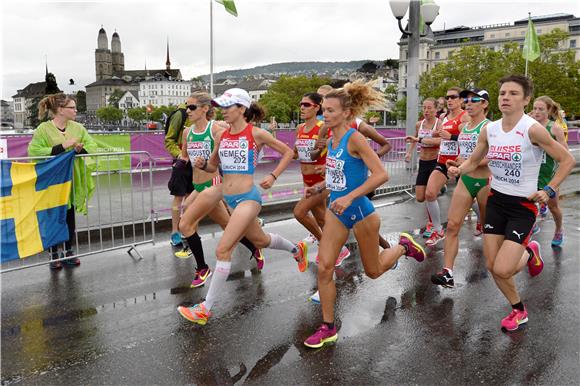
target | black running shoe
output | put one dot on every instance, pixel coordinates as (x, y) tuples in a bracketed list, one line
[(443, 278)]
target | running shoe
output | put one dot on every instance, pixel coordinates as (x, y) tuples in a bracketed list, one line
[(443, 278), (322, 336), (261, 221), (428, 230), (185, 253), (435, 238), (73, 262), (535, 262), (196, 314), (443, 190), (176, 239), (201, 276), (412, 249), (558, 239), (469, 214), (543, 210), (478, 230), (536, 229), (259, 256), (344, 254), (310, 239), (55, 264), (301, 256), (315, 298), (513, 321)]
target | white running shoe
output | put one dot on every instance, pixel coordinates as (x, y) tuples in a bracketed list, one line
[(315, 298)]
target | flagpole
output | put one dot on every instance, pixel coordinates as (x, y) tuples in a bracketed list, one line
[(211, 48), (528, 46)]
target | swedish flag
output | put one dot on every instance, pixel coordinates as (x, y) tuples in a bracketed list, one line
[(33, 203)]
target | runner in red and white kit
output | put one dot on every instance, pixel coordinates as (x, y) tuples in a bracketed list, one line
[(306, 137), (446, 137), (427, 153), (514, 147)]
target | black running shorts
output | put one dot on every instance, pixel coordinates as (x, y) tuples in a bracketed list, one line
[(510, 216), (425, 169), (181, 181)]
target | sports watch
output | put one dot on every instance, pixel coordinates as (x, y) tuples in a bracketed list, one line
[(551, 192)]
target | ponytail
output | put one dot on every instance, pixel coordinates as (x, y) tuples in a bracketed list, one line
[(254, 113)]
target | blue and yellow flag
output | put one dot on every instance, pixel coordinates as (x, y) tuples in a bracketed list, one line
[(33, 203)]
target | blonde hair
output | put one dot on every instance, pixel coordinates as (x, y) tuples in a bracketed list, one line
[(358, 97), (203, 98), (432, 100), (48, 106), (324, 89), (553, 107)]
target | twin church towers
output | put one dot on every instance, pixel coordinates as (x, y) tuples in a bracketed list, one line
[(109, 62)]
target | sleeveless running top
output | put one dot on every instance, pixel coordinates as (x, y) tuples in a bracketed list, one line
[(238, 152), (548, 166), (344, 173), (449, 150), (468, 139), (513, 160), (306, 143), (426, 133), (200, 144)]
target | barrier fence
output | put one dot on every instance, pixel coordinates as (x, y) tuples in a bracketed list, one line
[(120, 212)]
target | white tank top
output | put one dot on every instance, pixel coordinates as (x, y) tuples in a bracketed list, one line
[(513, 160), (426, 133)]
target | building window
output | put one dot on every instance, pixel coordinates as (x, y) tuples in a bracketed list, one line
[(437, 55), (522, 33), (539, 30), (492, 36), (572, 43), (507, 34)]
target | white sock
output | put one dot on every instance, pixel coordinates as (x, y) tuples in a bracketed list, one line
[(279, 242), (475, 207), (435, 213), (220, 274)]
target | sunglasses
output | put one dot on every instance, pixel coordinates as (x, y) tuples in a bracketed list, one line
[(69, 107), (307, 104), (191, 107), (447, 97), (473, 99)]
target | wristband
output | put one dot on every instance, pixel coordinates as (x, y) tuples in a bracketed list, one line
[(454, 137), (275, 178), (550, 191)]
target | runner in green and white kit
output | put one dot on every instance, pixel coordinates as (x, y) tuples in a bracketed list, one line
[(546, 112), (473, 185)]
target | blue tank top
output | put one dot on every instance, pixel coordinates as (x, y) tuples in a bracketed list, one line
[(344, 173)]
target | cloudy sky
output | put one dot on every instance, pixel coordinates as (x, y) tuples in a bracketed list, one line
[(266, 31)]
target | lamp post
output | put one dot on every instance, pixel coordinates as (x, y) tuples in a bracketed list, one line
[(429, 11)]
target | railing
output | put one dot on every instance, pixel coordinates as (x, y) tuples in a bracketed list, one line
[(120, 212)]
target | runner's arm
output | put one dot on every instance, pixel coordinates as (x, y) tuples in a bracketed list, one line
[(372, 133), (558, 132), (477, 156), (263, 137), (540, 136), (320, 143)]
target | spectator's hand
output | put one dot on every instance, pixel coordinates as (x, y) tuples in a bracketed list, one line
[(69, 142), (78, 147), (267, 182)]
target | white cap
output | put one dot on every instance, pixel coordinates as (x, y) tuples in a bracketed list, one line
[(231, 97)]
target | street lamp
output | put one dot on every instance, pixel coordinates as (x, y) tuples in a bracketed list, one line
[(429, 11)]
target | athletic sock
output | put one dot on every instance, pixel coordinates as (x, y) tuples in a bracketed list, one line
[(248, 244), (279, 242), (518, 306), (221, 273), (329, 325), (475, 207), (530, 253), (428, 215), (434, 212), (194, 242)]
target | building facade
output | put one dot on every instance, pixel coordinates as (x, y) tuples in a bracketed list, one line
[(438, 46), (23, 100), (160, 91), (7, 111)]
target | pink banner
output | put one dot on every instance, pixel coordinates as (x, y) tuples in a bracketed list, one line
[(152, 143), (18, 145)]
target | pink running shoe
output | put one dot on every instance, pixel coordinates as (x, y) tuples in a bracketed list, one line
[(301, 256), (259, 256), (196, 314), (322, 336), (513, 321), (412, 249), (535, 262), (435, 238), (344, 254), (201, 276)]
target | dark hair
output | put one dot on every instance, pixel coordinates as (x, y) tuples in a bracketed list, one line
[(316, 98), (254, 113), (523, 81)]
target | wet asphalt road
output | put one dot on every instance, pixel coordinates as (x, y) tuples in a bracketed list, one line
[(113, 319)]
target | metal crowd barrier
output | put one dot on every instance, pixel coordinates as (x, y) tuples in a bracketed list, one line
[(120, 213)]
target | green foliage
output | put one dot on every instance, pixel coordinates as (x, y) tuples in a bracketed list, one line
[(115, 96), (368, 68), (283, 98), (555, 73), (81, 98), (109, 114), (138, 114), (391, 63), (157, 113), (391, 93), (33, 112), (51, 86), (373, 114), (400, 110)]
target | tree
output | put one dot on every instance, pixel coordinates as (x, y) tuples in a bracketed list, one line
[(283, 98), (81, 98), (391, 63), (109, 114), (51, 86), (138, 114), (555, 73), (157, 113), (368, 68), (115, 96)]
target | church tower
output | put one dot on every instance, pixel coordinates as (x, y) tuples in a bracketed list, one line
[(118, 59), (103, 59)]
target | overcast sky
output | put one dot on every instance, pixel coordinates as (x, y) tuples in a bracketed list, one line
[(266, 31)]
